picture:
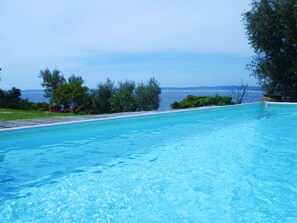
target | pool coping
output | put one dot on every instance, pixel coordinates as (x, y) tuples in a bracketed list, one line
[(89, 118), (35, 123)]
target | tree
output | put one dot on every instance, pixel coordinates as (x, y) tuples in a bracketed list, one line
[(62, 96), (101, 96), (123, 98), (2, 98), (271, 30), (76, 79), (51, 81), (14, 96), (126, 96), (123, 101), (72, 94), (147, 96), (10, 99), (240, 92)]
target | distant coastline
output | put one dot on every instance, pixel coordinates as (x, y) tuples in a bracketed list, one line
[(212, 88), (170, 94), (204, 88)]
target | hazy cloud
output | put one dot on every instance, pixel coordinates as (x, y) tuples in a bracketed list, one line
[(64, 34)]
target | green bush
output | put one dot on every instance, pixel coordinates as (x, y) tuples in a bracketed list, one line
[(123, 99), (11, 98), (123, 102), (147, 96), (126, 96), (25, 104), (71, 94), (192, 101), (41, 106), (101, 96)]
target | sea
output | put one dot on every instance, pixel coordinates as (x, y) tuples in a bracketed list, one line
[(167, 97)]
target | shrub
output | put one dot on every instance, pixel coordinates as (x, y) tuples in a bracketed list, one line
[(101, 96), (11, 98), (72, 94), (126, 96), (123, 99), (147, 96), (192, 101), (123, 102)]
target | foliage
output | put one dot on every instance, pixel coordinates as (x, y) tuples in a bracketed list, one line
[(122, 100), (147, 96), (13, 98), (192, 101), (10, 99), (2, 98), (62, 96), (25, 104), (72, 94), (75, 79), (101, 96), (52, 80), (126, 96), (271, 30)]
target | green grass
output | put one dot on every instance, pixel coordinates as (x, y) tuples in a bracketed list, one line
[(16, 114)]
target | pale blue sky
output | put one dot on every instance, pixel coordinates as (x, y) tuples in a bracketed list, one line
[(180, 43)]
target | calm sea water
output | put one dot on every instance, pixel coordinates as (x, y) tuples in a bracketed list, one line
[(167, 96), (229, 164)]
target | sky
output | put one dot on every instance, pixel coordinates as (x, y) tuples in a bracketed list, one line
[(180, 43)]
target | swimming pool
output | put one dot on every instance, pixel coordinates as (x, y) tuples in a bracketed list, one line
[(230, 164)]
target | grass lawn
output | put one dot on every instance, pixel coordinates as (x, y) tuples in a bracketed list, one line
[(15, 114)]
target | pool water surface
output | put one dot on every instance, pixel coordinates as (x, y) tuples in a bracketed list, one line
[(230, 164)]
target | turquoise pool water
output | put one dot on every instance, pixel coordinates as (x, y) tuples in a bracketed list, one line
[(231, 164)]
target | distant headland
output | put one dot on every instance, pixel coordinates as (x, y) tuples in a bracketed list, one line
[(251, 88), (223, 88)]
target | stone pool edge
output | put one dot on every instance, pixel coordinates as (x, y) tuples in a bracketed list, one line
[(42, 122)]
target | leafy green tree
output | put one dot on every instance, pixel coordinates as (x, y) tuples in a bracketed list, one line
[(2, 98), (123, 99), (148, 96), (10, 99), (271, 30), (62, 96), (72, 94), (77, 79), (101, 96), (126, 96), (128, 86), (51, 80), (14, 96)]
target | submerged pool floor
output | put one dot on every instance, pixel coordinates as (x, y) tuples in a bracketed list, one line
[(234, 164)]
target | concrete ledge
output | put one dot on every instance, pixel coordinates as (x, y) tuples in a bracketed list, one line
[(27, 123), (66, 119)]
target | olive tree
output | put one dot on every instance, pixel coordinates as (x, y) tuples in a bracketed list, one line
[(51, 80), (271, 29), (148, 95), (122, 100), (101, 96), (72, 94)]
